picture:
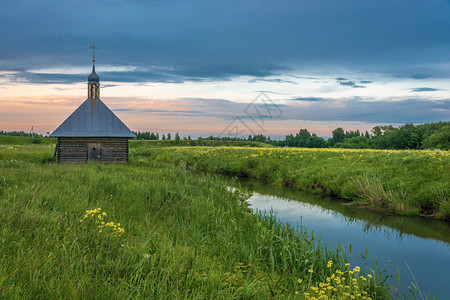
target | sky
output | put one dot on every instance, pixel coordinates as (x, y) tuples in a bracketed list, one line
[(228, 68)]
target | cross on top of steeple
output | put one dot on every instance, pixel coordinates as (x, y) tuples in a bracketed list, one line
[(93, 54)]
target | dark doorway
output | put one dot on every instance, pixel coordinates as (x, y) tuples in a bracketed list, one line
[(94, 151)]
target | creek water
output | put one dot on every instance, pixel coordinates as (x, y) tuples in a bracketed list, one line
[(422, 243)]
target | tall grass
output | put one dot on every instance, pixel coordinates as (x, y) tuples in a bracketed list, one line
[(185, 236)]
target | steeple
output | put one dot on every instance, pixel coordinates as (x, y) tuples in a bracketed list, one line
[(93, 80)]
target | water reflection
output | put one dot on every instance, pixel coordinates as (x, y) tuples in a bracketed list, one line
[(368, 220), (422, 243)]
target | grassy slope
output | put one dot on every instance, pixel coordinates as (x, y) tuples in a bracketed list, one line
[(402, 182), (186, 236)]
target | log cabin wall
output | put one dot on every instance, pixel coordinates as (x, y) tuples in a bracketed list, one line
[(107, 150)]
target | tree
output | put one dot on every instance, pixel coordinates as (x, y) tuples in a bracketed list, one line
[(302, 138), (169, 137), (377, 131), (439, 139), (315, 142), (408, 137), (338, 135)]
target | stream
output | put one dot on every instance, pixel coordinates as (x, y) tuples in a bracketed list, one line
[(399, 241)]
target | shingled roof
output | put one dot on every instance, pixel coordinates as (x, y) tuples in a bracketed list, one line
[(93, 119)]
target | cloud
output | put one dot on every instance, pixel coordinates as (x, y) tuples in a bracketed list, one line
[(167, 74), (270, 92), (346, 82), (424, 89), (390, 111), (123, 109), (365, 81), (302, 77), (311, 99), (173, 112), (213, 39), (407, 110), (420, 76), (275, 80)]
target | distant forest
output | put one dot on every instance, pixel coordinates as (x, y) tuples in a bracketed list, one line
[(20, 133), (409, 136)]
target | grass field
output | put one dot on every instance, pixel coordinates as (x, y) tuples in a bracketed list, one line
[(194, 143), (153, 229), (22, 140), (394, 181)]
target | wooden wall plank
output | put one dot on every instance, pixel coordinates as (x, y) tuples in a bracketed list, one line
[(74, 150)]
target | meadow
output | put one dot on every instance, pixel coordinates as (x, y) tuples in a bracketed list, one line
[(407, 182), (155, 229)]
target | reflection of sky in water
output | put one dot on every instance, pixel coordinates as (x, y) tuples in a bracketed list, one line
[(428, 259)]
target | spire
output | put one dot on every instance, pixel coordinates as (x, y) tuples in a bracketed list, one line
[(93, 80), (93, 77)]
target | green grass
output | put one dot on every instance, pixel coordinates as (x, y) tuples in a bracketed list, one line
[(187, 235), (209, 143), (393, 181), (22, 140)]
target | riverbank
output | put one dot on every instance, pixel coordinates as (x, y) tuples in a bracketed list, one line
[(393, 181), (153, 230), (408, 243)]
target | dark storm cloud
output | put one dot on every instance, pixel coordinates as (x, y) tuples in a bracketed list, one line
[(202, 40), (424, 89)]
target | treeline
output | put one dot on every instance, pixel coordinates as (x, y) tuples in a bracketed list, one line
[(20, 133), (36, 138), (409, 136), (155, 136)]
